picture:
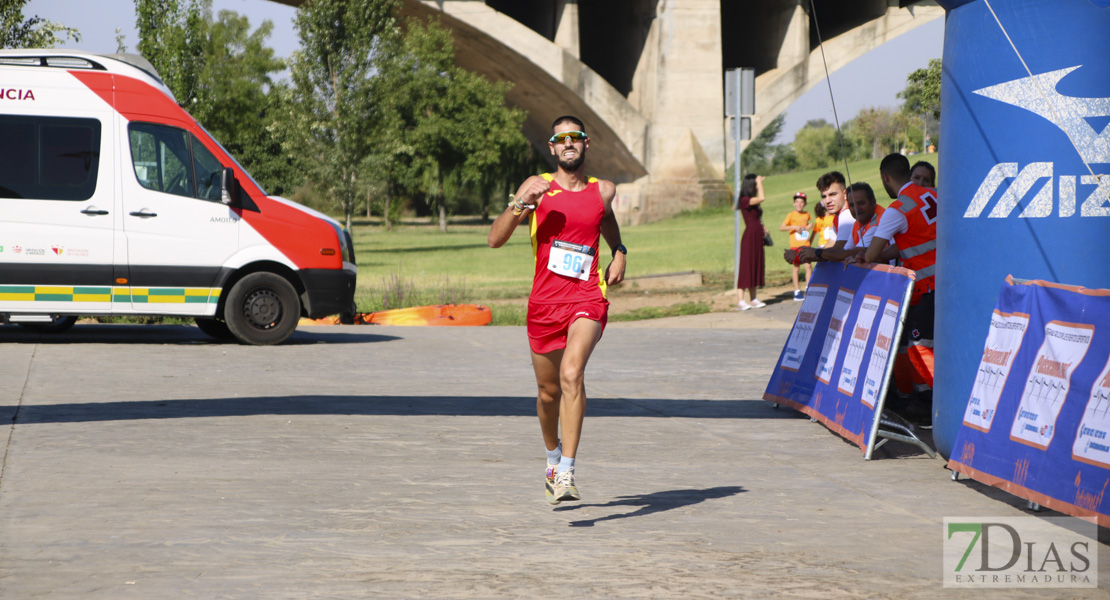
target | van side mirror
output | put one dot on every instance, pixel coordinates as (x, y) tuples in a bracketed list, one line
[(229, 187)]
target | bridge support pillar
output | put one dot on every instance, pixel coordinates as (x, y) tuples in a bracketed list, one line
[(686, 141), (566, 29)]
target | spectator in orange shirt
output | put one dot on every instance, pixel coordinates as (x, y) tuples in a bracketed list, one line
[(824, 235), (797, 223)]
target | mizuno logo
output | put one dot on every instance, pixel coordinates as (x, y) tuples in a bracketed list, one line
[(1084, 120), (1096, 203), (553, 192)]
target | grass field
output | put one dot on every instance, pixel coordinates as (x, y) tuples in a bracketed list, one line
[(423, 266)]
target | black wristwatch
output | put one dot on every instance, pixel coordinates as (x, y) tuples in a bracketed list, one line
[(819, 252), (620, 248)]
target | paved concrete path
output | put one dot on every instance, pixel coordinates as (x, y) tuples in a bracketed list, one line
[(372, 462)]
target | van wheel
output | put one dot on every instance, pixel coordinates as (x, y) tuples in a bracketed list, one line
[(58, 324), (214, 328), (262, 309)]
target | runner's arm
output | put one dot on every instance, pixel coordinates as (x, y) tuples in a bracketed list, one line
[(530, 192), (611, 231)]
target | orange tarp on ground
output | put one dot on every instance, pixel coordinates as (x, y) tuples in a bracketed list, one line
[(457, 315)]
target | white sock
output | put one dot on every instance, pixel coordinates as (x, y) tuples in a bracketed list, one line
[(566, 464), (553, 456)]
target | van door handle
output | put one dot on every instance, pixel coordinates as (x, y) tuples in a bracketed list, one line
[(92, 210), (143, 213)]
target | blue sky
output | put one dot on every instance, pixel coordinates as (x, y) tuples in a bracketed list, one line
[(855, 86)]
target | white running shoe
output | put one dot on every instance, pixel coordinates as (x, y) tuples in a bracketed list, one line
[(564, 487), (757, 303)]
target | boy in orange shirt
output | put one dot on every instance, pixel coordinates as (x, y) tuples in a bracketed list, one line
[(797, 223)]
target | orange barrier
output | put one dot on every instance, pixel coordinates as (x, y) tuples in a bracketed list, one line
[(332, 320), (457, 315), (441, 315)]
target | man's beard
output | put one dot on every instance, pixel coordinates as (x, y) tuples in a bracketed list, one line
[(572, 164)]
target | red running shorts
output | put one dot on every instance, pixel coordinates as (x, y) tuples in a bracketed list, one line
[(548, 323)]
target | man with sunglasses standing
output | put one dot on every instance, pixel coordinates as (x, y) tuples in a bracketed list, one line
[(567, 212)]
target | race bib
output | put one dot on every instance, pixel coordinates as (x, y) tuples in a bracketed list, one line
[(802, 235), (570, 260), (829, 233)]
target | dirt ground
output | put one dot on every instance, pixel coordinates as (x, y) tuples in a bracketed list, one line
[(627, 300)]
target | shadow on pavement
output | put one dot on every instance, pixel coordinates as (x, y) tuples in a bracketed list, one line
[(652, 503), (495, 406), (168, 334)]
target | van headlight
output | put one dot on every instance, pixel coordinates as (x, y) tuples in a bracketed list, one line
[(346, 244)]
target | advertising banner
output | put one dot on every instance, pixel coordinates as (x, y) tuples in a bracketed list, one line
[(1024, 172), (1037, 423), (835, 364)]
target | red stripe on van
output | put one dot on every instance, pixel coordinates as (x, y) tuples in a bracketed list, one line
[(298, 235)]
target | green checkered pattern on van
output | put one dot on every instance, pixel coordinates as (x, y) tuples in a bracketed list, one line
[(53, 293)]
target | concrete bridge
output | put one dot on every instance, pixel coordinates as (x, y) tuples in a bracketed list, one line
[(647, 76)]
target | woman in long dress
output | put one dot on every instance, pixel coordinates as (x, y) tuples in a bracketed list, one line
[(751, 243)]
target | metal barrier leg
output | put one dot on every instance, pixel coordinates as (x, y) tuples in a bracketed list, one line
[(894, 427)]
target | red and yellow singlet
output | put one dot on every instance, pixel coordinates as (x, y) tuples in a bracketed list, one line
[(566, 229)]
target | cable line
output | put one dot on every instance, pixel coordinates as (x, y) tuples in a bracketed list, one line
[(828, 80)]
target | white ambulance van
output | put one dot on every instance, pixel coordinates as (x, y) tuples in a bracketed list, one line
[(114, 201)]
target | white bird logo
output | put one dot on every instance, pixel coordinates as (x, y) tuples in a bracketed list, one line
[(1038, 95)]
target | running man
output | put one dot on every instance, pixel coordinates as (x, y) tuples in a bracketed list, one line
[(567, 214)]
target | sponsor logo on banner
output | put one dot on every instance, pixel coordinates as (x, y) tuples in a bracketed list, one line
[(17, 249), (1092, 444), (59, 250), (1020, 552), (1046, 388), (1076, 118), (1003, 342)]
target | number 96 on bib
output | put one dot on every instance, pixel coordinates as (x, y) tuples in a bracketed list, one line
[(571, 260)]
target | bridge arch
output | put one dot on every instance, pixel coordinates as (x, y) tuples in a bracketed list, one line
[(647, 76)]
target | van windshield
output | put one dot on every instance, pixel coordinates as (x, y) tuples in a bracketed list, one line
[(213, 138)]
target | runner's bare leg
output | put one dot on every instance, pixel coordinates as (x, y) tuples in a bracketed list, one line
[(582, 337), (560, 377), (546, 367)]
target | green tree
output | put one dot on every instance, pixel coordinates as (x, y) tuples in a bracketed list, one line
[(333, 113), (922, 92), (757, 157), (785, 160), (456, 124), (233, 100), (172, 35), (35, 32), (876, 129), (817, 147)]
